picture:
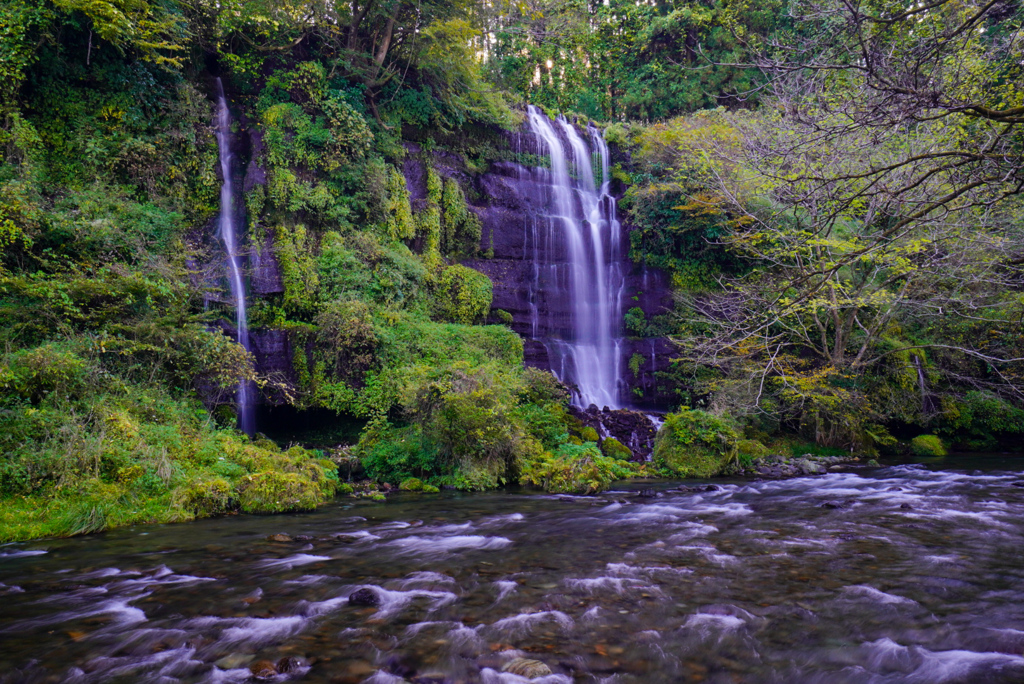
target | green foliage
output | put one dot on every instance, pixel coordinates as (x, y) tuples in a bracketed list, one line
[(589, 434), (694, 444), (575, 470), (293, 248), (981, 420), (927, 445), (461, 295)]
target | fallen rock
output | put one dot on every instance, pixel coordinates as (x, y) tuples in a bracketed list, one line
[(364, 597), (526, 667)]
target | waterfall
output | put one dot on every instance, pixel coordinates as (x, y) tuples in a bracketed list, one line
[(227, 231), (581, 215)]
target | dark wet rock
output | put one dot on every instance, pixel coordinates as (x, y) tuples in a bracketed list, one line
[(632, 429), (906, 506), (288, 664), (832, 505), (364, 597), (1019, 483), (647, 494), (712, 488), (303, 538), (526, 667), (263, 669), (431, 678), (280, 537)]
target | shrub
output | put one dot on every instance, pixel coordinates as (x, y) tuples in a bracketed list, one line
[(276, 492), (574, 469), (462, 295), (927, 445), (613, 448), (694, 444)]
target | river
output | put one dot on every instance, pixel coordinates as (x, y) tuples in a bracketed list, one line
[(906, 573)]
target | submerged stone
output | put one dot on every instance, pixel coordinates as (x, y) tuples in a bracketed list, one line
[(526, 667), (263, 669), (364, 597)]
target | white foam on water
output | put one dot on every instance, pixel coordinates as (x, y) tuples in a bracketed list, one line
[(709, 553), (489, 676), (291, 561), (20, 553), (444, 545), (876, 595), (618, 585), (918, 664), (361, 536), (10, 589), (707, 623), (382, 677), (307, 580), (392, 601), (524, 623), (425, 577), (505, 587), (592, 613)]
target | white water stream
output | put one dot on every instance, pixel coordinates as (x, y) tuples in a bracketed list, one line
[(227, 231)]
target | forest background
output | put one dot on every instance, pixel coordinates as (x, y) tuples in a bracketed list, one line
[(833, 188)]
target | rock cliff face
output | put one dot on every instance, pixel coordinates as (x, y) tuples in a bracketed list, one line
[(529, 264), (528, 259)]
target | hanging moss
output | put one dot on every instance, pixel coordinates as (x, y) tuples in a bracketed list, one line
[(462, 295), (399, 221), (461, 229), (430, 224), (294, 250)]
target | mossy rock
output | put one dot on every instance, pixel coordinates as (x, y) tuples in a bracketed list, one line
[(430, 489), (927, 445), (589, 434), (205, 498), (750, 449), (276, 492), (413, 484), (345, 488), (613, 448), (694, 444)]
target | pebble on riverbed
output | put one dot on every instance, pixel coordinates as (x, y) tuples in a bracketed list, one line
[(526, 667)]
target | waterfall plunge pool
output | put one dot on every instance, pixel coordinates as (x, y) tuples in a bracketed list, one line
[(915, 577)]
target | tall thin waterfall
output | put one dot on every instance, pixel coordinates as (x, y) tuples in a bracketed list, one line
[(227, 231), (582, 215)]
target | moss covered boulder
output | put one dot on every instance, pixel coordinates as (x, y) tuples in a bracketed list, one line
[(276, 492), (927, 445), (694, 444)]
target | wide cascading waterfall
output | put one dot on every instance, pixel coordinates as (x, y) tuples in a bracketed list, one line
[(227, 231), (581, 215)]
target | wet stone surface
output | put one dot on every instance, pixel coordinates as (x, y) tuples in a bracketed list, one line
[(916, 577)]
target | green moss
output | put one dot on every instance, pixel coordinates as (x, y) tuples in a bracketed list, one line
[(613, 448), (400, 224), (694, 444), (411, 484), (205, 498), (927, 445), (345, 488), (430, 489), (589, 434), (276, 492), (750, 449)]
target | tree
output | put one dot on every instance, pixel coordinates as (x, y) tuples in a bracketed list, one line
[(877, 195)]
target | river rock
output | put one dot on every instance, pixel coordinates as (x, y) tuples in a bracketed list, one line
[(280, 537), (832, 505), (364, 597), (263, 669), (808, 467), (526, 667), (288, 664)]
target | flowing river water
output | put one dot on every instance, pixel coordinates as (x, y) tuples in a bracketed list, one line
[(897, 574)]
